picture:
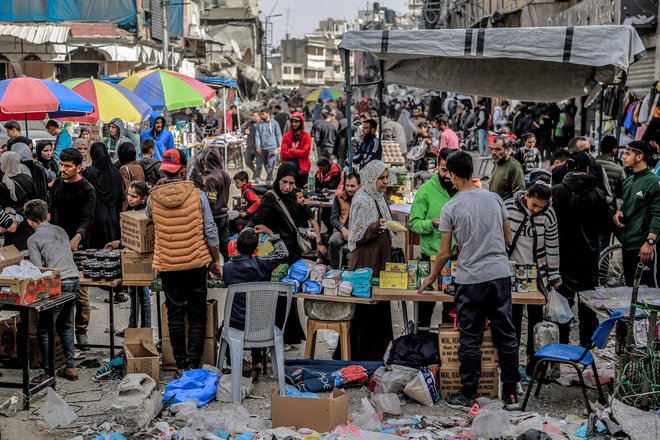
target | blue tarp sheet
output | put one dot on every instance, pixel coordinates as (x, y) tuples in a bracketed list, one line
[(121, 12)]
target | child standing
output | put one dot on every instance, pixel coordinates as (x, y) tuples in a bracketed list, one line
[(250, 200), (528, 155), (136, 196), (243, 268), (49, 247)]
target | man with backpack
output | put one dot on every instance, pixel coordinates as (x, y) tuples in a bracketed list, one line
[(582, 215), (150, 165)]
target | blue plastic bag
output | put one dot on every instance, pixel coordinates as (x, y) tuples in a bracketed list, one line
[(194, 384), (299, 271), (111, 436)]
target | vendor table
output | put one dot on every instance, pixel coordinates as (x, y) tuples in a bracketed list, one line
[(111, 286), (403, 295), (335, 298), (45, 305)]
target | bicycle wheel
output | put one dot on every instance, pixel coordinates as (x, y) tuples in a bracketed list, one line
[(610, 267)]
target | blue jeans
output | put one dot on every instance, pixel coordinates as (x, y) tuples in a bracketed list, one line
[(141, 295), (63, 318), (482, 136)]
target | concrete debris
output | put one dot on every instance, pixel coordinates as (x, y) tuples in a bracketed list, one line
[(9, 407), (638, 424), (137, 403)]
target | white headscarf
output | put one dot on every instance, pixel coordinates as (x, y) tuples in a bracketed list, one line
[(25, 154), (367, 203), (10, 164)]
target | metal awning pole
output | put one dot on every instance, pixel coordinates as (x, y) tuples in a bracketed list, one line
[(224, 124), (381, 106), (349, 97)]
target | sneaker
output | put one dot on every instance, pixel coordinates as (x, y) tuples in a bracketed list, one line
[(511, 402), (459, 401)]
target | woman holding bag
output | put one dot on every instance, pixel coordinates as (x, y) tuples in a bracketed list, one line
[(276, 211), (535, 241)]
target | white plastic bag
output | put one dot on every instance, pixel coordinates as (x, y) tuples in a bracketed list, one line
[(56, 412), (558, 310)]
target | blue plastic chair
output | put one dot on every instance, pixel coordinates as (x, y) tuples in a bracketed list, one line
[(578, 357)]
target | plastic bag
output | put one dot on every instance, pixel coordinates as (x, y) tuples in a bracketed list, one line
[(56, 412), (198, 384), (558, 310), (310, 286), (492, 422), (387, 403), (392, 381), (422, 388), (367, 419)]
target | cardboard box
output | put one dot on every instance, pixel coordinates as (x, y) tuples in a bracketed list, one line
[(9, 255), (15, 290), (321, 415), (448, 345), (137, 231), (140, 353), (136, 266), (393, 280), (450, 381), (208, 357), (211, 320), (396, 267)]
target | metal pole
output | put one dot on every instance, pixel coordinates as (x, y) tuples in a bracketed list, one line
[(381, 107), (224, 124), (166, 37), (349, 95), (237, 102)]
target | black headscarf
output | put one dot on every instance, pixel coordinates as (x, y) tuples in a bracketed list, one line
[(126, 153), (103, 175), (48, 164), (286, 169)]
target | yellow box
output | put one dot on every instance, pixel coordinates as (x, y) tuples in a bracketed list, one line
[(396, 267), (393, 280)]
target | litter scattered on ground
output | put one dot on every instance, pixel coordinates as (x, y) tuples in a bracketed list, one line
[(56, 412)]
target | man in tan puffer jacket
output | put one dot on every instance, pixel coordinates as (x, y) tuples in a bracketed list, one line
[(186, 242)]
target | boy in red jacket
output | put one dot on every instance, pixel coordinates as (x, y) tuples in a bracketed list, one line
[(250, 201), (295, 148)]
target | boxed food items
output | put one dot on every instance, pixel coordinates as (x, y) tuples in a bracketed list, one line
[(24, 283), (413, 274), (450, 381), (393, 280), (448, 344), (136, 266), (396, 267), (137, 231)]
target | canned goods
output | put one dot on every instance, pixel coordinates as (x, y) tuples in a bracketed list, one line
[(446, 282), (521, 271), (513, 268), (446, 270), (513, 284), (532, 272), (522, 285), (454, 268), (533, 285)]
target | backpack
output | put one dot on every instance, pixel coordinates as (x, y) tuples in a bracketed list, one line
[(151, 175), (414, 351)]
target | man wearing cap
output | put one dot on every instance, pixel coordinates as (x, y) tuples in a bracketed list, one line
[(186, 242), (638, 219)]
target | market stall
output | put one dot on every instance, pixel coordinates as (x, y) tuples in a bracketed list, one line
[(531, 64)]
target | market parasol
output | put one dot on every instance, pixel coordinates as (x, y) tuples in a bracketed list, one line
[(324, 93), (110, 101), (166, 89), (35, 99)]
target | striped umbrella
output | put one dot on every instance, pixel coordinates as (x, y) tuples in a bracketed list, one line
[(110, 101), (166, 89), (324, 93)]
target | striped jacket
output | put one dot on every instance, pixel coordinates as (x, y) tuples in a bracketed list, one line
[(538, 244)]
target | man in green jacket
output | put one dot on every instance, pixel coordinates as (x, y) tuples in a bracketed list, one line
[(639, 217), (424, 220)]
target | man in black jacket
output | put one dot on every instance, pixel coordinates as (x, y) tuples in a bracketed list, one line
[(582, 215)]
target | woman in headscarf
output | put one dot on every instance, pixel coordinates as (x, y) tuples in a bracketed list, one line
[(271, 213), (370, 245), (109, 188), (130, 170), (45, 152), (16, 189), (38, 174), (85, 134), (81, 144)]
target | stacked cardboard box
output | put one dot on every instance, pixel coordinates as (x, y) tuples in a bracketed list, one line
[(209, 355), (450, 378), (138, 238)]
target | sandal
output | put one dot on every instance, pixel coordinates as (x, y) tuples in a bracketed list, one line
[(64, 373)]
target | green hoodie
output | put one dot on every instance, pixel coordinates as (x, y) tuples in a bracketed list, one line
[(428, 203), (641, 208)]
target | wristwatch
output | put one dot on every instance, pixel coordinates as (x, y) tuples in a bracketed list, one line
[(651, 241)]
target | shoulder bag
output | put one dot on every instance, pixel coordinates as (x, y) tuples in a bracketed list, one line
[(304, 243)]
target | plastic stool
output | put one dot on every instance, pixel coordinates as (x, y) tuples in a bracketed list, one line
[(341, 327)]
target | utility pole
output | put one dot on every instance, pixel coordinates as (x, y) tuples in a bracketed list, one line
[(166, 37)]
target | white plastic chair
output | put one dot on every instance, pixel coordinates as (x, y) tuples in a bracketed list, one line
[(260, 329)]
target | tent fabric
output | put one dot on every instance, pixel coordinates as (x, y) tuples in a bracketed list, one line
[(536, 64), (212, 81), (121, 12), (37, 34)]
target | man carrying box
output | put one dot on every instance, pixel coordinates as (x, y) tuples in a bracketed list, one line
[(483, 281), (186, 241)]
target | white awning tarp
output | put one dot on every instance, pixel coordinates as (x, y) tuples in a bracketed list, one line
[(36, 34), (532, 64)]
